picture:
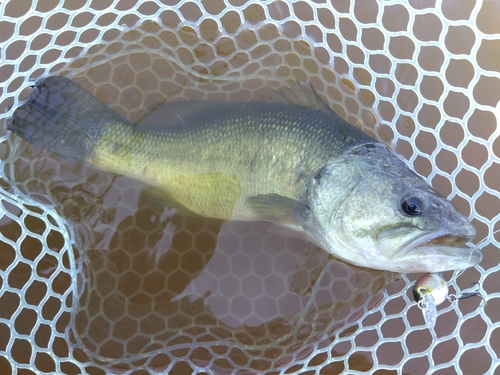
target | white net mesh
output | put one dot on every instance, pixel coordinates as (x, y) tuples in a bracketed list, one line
[(86, 283)]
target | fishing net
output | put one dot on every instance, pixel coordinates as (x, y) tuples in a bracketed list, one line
[(95, 278)]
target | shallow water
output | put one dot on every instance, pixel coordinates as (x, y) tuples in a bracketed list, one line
[(153, 281), (135, 70)]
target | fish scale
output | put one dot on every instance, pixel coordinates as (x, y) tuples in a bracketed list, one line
[(220, 146)]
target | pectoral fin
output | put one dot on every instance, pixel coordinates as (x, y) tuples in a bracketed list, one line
[(280, 210)]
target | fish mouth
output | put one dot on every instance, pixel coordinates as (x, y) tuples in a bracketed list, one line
[(440, 238), (447, 240), (441, 251)]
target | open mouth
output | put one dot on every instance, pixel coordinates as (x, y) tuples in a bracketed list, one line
[(449, 247), (429, 251), (447, 240), (440, 239), (444, 252)]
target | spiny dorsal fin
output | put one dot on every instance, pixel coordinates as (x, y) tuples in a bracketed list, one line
[(309, 98)]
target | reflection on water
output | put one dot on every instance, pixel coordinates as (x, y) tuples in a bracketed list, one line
[(223, 294)]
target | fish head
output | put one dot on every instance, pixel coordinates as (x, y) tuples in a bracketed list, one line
[(370, 209)]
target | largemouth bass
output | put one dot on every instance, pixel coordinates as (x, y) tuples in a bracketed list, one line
[(305, 170)]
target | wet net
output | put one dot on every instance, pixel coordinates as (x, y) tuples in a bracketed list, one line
[(96, 279)]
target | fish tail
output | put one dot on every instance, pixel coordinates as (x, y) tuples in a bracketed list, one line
[(61, 117)]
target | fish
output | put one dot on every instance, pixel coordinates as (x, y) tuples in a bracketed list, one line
[(307, 171)]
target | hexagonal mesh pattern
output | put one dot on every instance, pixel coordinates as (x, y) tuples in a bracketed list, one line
[(96, 279)]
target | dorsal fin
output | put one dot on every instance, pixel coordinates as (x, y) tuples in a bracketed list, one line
[(176, 113), (309, 98)]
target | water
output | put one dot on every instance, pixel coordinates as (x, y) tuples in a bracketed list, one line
[(152, 281), (155, 287)]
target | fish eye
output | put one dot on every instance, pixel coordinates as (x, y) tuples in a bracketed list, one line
[(412, 206), (422, 291)]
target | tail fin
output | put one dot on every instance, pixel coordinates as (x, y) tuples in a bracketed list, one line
[(62, 117)]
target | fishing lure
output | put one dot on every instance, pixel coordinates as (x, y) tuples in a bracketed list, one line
[(431, 290)]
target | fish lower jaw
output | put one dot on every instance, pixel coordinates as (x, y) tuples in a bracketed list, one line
[(429, 253), (442, 239), (439, 256)]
